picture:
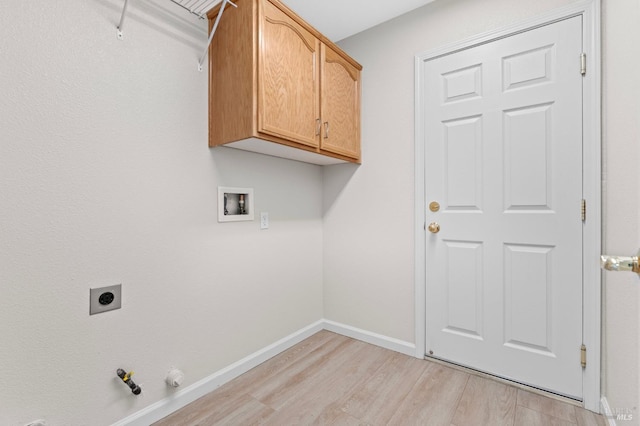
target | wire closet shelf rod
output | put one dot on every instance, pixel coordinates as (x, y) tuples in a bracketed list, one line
[(199, 8)]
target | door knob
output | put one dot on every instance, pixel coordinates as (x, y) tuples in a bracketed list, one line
[(620, 263), (434, 228)]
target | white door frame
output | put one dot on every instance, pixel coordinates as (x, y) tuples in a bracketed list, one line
[(591, 180)]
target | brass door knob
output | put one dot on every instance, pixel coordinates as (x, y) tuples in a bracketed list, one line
[(621, 263), (434, 228)]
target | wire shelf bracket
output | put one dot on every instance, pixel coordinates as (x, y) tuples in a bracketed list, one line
[(199, 8), (213, 31)]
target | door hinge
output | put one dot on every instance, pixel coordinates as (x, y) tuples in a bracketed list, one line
[(583, 210), (583, 356), (583, 63)]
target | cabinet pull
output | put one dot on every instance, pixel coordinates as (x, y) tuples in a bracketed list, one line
[(326, 130), (318, 126)]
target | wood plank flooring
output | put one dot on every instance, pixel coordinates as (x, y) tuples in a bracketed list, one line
[(329, 379)]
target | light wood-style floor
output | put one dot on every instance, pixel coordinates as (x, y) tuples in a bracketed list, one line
[(330, 379)]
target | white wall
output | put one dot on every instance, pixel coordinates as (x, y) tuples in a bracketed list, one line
[(621, 139), (106, 178), (368, 223), (369, 275)]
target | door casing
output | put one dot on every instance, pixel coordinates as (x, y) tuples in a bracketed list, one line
[(591, 180)]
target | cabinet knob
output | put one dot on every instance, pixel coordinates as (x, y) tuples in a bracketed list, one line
[(326, 130)]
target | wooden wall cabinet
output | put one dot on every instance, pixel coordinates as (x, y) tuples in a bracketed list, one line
[(279, 87)]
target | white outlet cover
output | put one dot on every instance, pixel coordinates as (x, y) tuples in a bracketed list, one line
[(95, 305)]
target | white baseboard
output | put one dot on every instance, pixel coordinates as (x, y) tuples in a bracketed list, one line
[(373, 338), (199, 389)]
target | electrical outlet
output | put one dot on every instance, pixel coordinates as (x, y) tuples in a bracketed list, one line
[(264, 220), (105, 299)]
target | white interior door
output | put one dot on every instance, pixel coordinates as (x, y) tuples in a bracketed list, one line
[(503, 146)]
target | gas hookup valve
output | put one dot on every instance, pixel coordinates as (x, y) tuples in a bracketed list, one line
[(126, 377)]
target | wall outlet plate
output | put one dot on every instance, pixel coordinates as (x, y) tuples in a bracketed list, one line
[(105, 299)]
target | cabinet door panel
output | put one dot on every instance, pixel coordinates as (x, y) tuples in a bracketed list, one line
[(288, 79), (340, 105)]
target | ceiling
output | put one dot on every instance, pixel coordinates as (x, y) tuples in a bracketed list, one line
[(338, 19)]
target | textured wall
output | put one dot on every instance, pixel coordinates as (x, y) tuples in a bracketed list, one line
[(106, 178), (369, 275), (621, 140), (368, 233)]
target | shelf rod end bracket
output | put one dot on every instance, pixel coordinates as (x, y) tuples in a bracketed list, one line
[(121, 24)]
